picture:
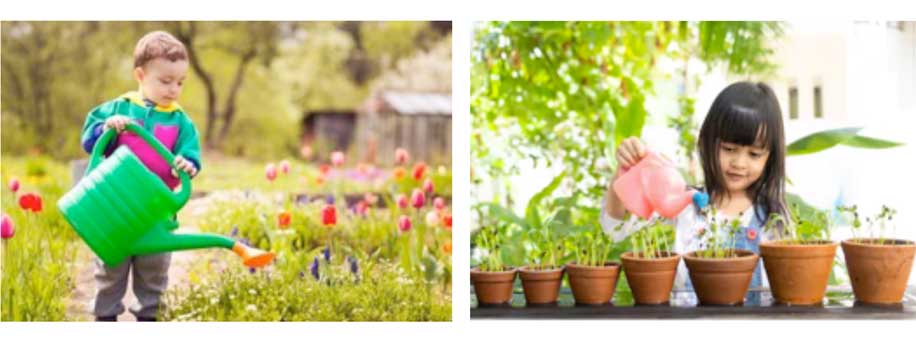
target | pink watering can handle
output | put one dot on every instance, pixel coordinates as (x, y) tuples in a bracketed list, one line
[(655, 185)]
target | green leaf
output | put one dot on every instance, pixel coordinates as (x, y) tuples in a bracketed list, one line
[(820, 141), (870, 143), (824, 140), (503, 214), (532, 216)]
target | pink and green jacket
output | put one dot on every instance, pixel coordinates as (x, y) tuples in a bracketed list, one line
[(170, 125)]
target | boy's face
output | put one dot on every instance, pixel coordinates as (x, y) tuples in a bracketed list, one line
[(741, 165), (161, 80)]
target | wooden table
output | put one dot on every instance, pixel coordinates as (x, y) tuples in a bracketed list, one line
[(839, 304)]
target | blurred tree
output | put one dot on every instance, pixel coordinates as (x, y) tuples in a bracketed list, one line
[(241, 41)]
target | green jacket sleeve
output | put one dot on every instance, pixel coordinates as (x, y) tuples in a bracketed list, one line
[(188, 143), (93, 127)]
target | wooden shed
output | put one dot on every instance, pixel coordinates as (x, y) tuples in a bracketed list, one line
[(418, 122)]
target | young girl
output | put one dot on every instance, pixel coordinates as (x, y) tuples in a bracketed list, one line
[(742, 149)]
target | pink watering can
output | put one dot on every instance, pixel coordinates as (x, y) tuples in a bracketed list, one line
[(655, 185)]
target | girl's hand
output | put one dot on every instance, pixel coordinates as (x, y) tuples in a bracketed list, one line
[(630, 152), (117, 122), (185, 165)]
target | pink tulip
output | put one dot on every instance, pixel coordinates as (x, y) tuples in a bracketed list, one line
[(14, 185), (402, 201), (284, 167), (428, 186), (337, 158), (432, 219), (270, 172), (417, 199), (439, 203), (6, 227), (401, 156), (404, 223)]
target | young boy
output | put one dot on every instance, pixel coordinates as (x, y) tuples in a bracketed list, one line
[(160, 66)]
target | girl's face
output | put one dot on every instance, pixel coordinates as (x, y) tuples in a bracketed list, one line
[(741, 165)]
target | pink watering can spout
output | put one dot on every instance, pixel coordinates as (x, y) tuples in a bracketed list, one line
[(655, 185)]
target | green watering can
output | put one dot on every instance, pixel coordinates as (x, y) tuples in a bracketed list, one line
[(120, 208)]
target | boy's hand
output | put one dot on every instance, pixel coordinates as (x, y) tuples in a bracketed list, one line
[(117, 122), (185, 165), (630, 152)]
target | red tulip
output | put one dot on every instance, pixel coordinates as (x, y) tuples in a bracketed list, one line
[(31, 202), (417, 199), (270, 172), (418, 170), (402, 201), (428, 186), (324, 169), (14, 185), (447, 221), (337, 158), (751, 234), (329, 215), (401, 156), (439, 203), (6, 227), (283, 219), (404, 223), (284, 167)]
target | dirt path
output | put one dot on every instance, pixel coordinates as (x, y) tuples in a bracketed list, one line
[(182, 262)]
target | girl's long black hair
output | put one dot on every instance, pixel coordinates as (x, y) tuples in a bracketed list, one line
[(746, 113)]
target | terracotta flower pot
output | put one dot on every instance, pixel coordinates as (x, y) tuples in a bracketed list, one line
[(651, 279), (878, 272), (798, 273), (721, 281), (593, 285), (541, 286), (493, 288)]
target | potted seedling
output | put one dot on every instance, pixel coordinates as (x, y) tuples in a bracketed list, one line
[(878, 267), (592, 277), (492, 279), (542, 277), (651, 267), (799, 259), (720, 273)]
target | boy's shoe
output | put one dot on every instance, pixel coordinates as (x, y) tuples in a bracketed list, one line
[(106, 319), (146, 319)]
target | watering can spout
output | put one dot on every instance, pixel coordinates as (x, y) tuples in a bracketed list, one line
[(162, 239)]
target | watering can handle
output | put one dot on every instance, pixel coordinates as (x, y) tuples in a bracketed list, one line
[(98, 151)]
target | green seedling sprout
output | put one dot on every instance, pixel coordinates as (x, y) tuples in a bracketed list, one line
[(652, 240), (489, 240), (590, 248), (715, 246), (875, 226)]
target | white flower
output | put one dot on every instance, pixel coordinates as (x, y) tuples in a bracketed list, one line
[(251, 308), (252, 292)]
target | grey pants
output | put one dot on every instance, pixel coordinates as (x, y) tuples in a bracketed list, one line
[(151, 277)]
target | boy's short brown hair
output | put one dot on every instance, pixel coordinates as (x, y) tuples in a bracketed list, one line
[(158, 44)]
